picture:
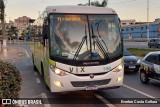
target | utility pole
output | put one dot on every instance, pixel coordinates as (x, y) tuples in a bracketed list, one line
[(147, 19), (2, 18), (89, 2)]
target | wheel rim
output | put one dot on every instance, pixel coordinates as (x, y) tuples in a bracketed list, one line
[(143, 77)]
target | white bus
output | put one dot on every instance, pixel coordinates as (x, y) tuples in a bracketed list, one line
[(78, 48)]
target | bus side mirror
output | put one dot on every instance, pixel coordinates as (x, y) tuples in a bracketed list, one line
[(119, 20), (45, 36), (45, 32)]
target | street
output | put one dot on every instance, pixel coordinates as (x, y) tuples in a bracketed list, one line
[(33, 87), (135, 44), (138, 45)]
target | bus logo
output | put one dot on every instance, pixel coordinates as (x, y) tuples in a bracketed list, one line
[(91, 76)]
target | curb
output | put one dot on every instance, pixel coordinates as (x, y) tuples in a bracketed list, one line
[(20, 55)]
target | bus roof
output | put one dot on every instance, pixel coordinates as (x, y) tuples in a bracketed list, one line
[(80, 10)]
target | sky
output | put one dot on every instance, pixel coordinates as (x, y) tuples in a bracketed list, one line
[(126, 9)]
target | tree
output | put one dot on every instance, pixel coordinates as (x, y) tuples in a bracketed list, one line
[(2, 7), (0, 36), (23, 33), (12, 31), (96, 3)]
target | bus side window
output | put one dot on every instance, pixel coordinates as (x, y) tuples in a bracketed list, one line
[(45, 28), (45, 33)]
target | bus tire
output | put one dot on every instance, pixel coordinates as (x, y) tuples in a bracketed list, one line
[(42, 72), (57, 94), (34, 67)]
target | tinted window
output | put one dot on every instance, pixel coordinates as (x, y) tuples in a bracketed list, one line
[(158, 60), (151, 58), (152, 40), (154, 58), (126, 53)]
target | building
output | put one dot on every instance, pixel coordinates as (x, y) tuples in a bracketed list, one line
[(22, 23), (128, 22), (140, 30)]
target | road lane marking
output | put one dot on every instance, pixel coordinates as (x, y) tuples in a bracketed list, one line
[(20, 105), (104, 100), (36, 96), (26, 52), (45, 96), (38, 80), (140, 92)]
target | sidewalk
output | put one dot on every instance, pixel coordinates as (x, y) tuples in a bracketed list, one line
[(12, 54)]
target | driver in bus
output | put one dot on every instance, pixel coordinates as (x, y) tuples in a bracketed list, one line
[(61, 32)]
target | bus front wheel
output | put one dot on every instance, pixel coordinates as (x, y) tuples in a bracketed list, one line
[(34, 67), (42, 72)]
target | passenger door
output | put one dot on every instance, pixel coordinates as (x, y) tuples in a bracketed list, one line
[(45, 33)]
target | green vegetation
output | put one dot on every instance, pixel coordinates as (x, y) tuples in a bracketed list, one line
[(96, 3), (12, 32), (140, 52), (10, 81)]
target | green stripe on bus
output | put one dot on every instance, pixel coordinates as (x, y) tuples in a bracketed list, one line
[(122, 59), (53, 63)]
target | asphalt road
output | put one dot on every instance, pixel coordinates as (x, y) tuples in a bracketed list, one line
[(135, 44), (33, 87), (138, 45)]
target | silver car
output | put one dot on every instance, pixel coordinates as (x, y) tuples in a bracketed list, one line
[(154, 42)]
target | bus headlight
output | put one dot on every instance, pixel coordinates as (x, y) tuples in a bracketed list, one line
[(58, 71), (58, 84), (118, 68)]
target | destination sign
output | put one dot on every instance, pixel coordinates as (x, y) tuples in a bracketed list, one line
[(69, 18)]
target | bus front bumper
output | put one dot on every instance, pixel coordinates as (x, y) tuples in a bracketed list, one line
[(73, 82)]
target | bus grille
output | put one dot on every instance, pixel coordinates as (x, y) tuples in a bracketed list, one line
[(89, 83)]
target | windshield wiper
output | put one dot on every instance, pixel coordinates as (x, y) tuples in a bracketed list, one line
[(81, 44), (99, 44), (99, 34)]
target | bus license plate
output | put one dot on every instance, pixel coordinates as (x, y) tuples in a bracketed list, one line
[(91, 88), (132, 66)]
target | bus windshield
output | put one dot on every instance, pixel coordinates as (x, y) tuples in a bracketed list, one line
[(85, 37)]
